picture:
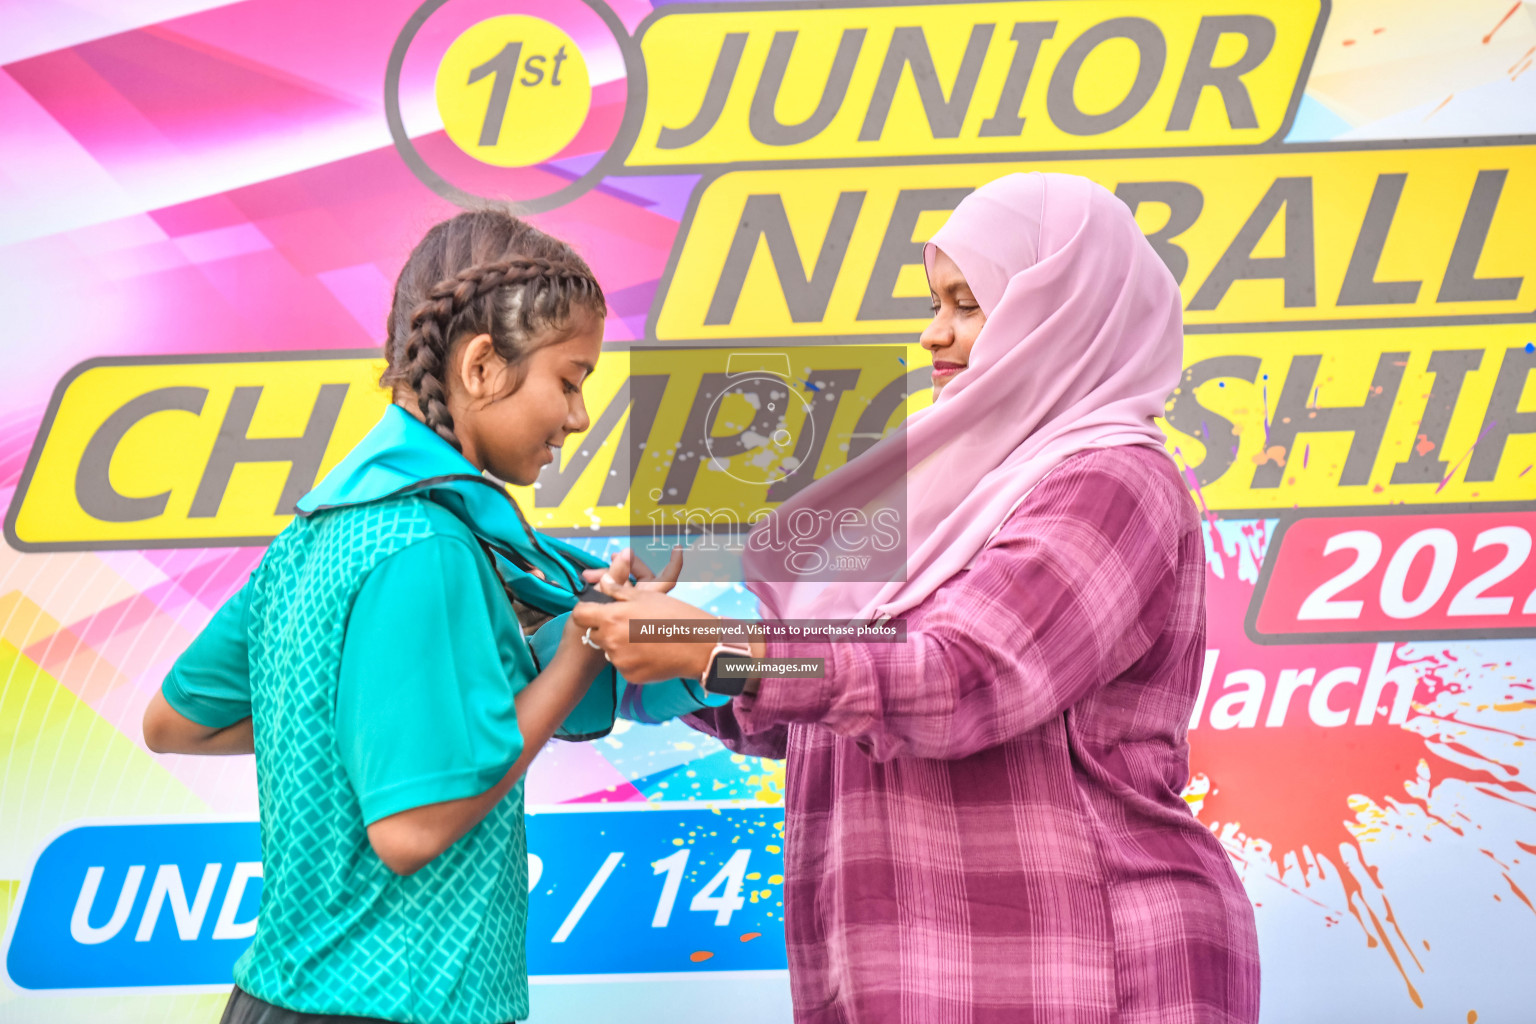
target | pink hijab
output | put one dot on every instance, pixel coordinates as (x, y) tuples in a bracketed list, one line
[(1082, 346)]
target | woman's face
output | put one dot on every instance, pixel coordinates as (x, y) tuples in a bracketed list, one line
[(957, 320)]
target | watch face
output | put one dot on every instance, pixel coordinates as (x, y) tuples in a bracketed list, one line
[(713, 683), (724, 687)]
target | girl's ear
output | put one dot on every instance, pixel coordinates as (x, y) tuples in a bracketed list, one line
[(479, 367)]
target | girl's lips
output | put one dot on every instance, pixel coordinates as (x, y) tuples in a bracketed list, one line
[(944, 369)]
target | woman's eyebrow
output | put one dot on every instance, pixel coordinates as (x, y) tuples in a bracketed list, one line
[(588, 367)]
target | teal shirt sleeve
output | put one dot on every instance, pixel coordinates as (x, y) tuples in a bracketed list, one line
[(610, 696), (211, 682), (429, 672)]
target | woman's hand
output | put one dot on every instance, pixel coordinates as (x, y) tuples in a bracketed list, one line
[(646, 662)]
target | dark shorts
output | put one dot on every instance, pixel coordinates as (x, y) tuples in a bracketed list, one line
[(244, 1008)]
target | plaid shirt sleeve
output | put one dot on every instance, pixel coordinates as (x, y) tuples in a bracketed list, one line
[(1071, 592), (723, 725)]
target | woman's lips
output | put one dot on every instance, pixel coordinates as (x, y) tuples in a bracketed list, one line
[(945, 370)]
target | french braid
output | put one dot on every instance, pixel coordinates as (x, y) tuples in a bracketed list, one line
[(528, 293)]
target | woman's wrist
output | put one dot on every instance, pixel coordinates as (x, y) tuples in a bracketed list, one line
[(701, 653)]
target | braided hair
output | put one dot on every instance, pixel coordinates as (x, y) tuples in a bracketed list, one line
[(482, 272)]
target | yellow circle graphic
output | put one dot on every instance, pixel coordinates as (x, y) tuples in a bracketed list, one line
[(513, 90)]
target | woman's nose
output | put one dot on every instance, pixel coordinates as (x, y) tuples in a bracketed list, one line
[(936, 336)]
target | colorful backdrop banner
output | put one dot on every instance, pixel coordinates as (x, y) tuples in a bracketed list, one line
[(203, 205)]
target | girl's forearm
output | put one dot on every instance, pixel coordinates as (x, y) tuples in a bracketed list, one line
[(410, 840), (167, 731), (546, 702), (232, 739)]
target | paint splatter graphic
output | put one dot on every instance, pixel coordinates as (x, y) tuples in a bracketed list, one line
[(1310, 762), (1507, 15)]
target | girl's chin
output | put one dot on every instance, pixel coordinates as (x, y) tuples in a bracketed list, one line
[(514, 477)]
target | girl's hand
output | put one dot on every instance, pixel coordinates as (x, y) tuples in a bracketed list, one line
[(625, 564), (646, 662)]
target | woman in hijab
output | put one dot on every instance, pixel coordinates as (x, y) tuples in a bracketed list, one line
[(985, 823)]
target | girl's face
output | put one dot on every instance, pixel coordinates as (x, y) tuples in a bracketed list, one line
[(514, 430), (957, 320)]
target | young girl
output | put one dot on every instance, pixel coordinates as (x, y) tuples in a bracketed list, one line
[(375, 665)]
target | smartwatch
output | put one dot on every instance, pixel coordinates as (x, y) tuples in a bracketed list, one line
[(734, 686)]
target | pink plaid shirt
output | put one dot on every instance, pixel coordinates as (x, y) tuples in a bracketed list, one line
[(984, 823)]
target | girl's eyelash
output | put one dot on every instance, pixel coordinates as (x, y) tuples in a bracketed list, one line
[(571, 388)]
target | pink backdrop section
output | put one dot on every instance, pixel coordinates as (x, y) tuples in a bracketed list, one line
[(222, 183)]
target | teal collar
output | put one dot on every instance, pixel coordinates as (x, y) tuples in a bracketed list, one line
[(401, 455)]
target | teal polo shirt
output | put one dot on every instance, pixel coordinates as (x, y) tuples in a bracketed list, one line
[(381, 678), (377, 653)]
